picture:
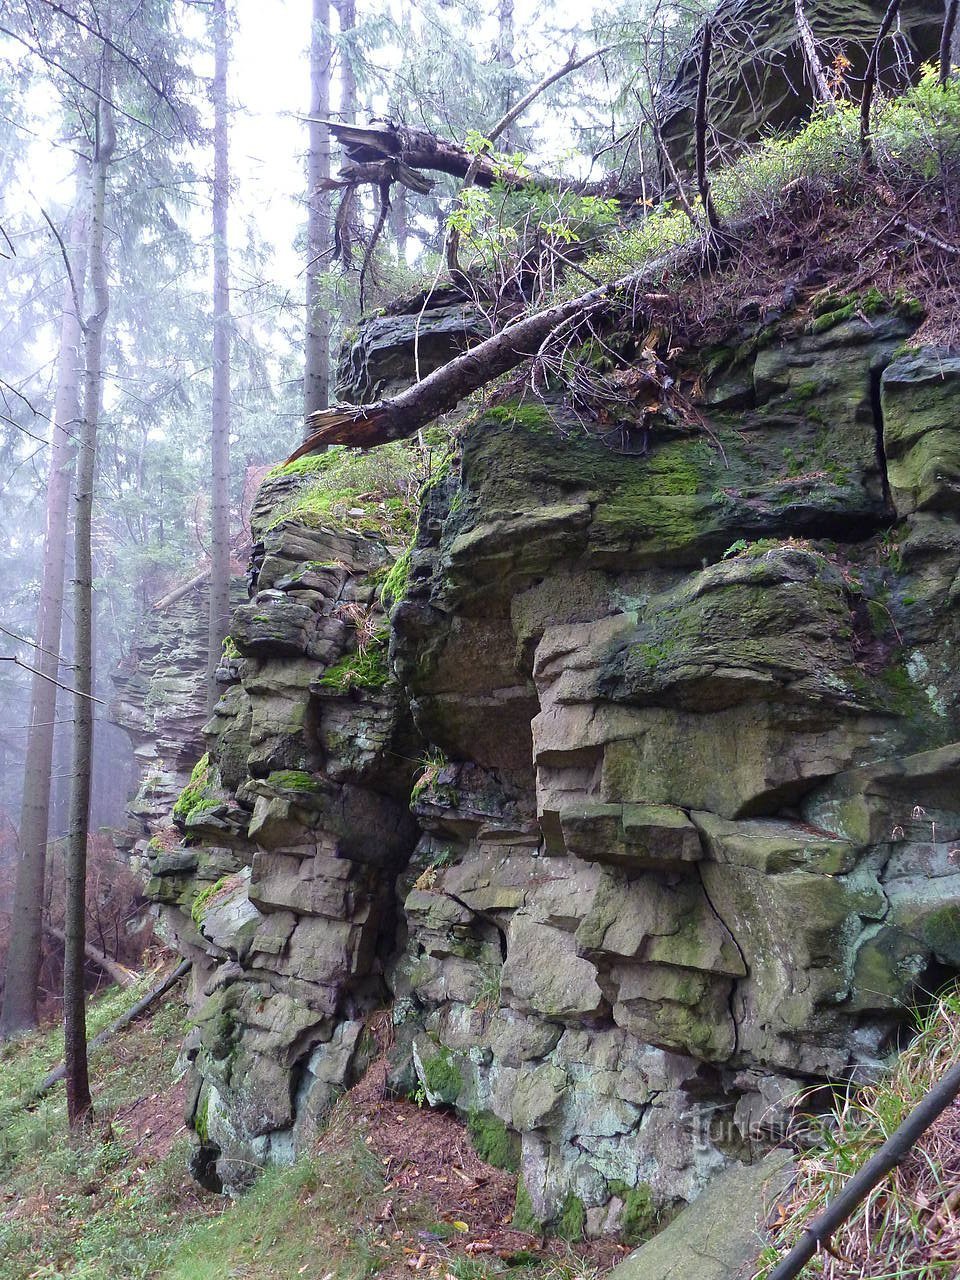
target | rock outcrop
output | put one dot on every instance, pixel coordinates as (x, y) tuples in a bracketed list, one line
[(419, 334), (649, 815), (759, 80)]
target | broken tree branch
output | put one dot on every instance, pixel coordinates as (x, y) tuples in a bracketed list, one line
[(117, 972), (179, 592), (811, 58), (124, 1020), (439, 392), (869, 84)]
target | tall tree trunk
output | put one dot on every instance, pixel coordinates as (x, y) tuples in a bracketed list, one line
[(398, 223), (347, 15), (219, 617), (316, 377), (74, 1003), (504, 56), (23, 957)]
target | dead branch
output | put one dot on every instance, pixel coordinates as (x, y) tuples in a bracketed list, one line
[(124, 1020), (404, 414), (179, 592), (19, 662), (869, 84), (119, 973), (700, 129), (928, 237), (818, 77)]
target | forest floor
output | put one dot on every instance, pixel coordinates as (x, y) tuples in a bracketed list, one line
[(393, 1189)]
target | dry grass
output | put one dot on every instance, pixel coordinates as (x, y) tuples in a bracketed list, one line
[(910, 1224)]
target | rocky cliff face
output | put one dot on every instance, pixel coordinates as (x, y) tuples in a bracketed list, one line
[(647, 817)]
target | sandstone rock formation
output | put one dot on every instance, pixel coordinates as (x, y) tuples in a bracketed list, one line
[(759, 80), (649, 815)]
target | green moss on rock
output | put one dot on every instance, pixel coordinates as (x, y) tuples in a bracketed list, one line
[(524, 1218), (493, 1141), (203, 898), (639, 1218), (442, 1077), (198, 792), (394, 586), (361, 670), (572, 1220)]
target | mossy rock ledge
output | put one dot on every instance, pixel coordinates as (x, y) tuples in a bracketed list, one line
[(660, 771)]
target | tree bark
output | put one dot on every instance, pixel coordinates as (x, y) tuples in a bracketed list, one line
[(316, 378), (24, 954), (504, 57), (74, 1001), (347, 16), (219, 616), (946, 41)]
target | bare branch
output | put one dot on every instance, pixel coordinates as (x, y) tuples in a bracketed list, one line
[(818, 78), (869, 83), (18, 662), (78, 306), (122, 53), (573, 63)]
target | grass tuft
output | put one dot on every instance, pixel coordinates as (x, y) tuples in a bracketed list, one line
[(909, 1225)]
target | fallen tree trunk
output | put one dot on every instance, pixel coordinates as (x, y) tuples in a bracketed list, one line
[(403, 415), (179, 592), (124, 1020), (120, 974), (386, 152)]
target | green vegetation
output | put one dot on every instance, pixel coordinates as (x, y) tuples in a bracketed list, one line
[(293, 780), (442, 1077), (106, 1203), (202, 900), (524, 1218), (197, 794), (394, 586), (306, 1220), (493, 1141), (365, 669), (914, 136), (639, 1219), (572, 1220), (894, 1231), (430, 766), (371, 493)]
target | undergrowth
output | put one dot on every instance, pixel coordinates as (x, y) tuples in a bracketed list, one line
[(106, 1203), (373, 493), (908, 1225), (916, 140)]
